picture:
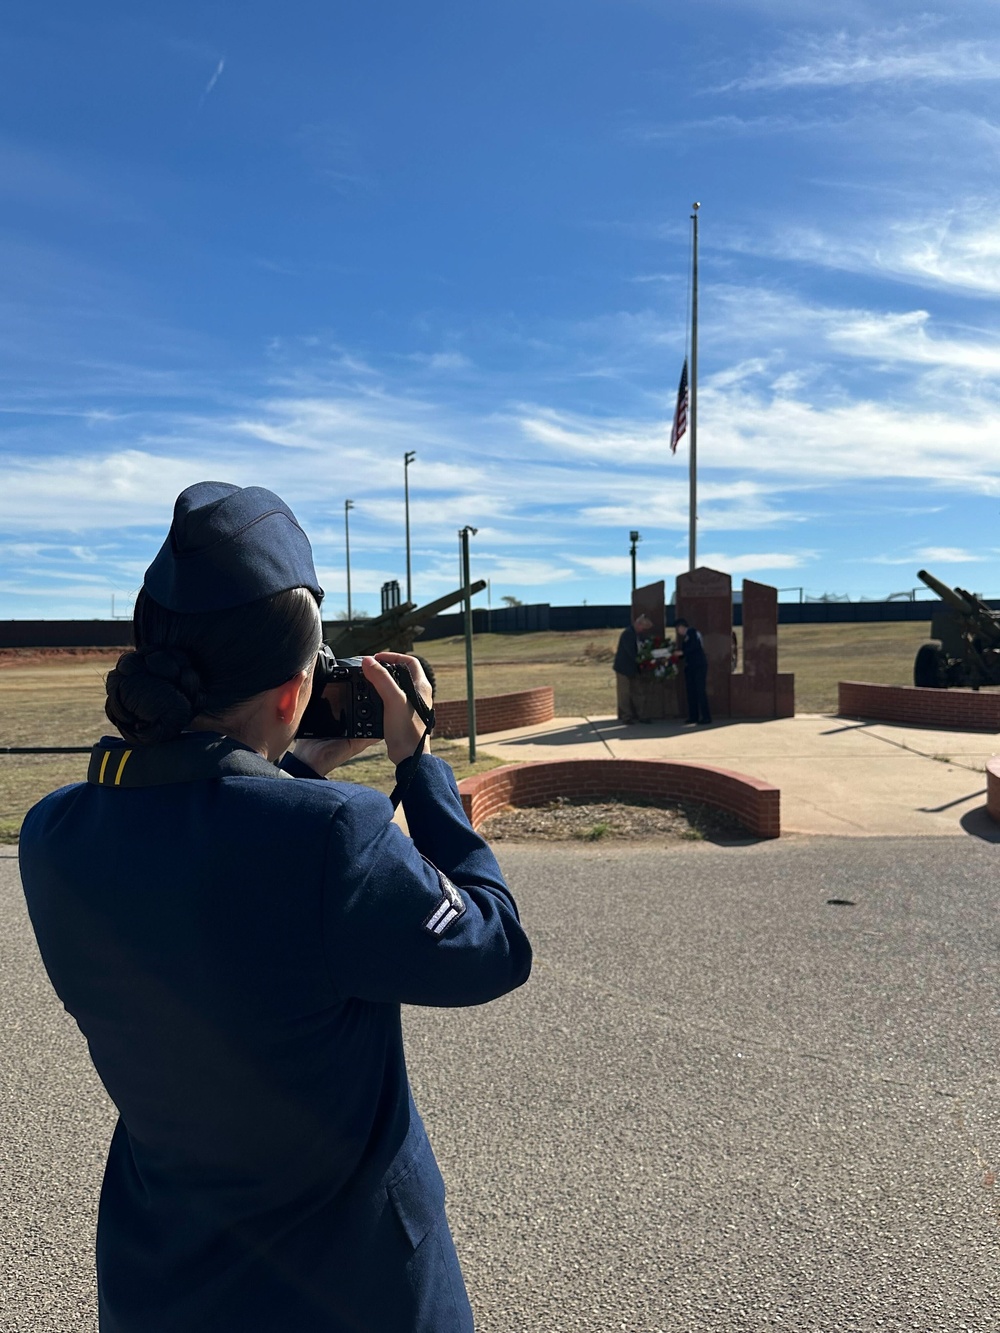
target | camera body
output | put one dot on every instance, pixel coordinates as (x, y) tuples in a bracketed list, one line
[(343, 702)]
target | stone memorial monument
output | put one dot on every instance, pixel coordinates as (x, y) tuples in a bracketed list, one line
[(705, 600), (751, 688)]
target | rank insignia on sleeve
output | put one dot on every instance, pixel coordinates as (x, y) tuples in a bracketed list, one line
[(448, 910)]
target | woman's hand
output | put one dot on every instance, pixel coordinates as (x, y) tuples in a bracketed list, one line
[(324, 756), (403, 728)]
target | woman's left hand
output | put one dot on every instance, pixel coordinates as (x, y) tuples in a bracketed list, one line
[(324, 756)]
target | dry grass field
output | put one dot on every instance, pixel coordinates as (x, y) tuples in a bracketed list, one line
[(60, 701), (578, 665)]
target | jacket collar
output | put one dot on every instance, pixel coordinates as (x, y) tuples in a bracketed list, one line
[(195, 756)]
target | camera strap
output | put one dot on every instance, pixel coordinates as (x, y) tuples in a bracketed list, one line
[(406, 770)]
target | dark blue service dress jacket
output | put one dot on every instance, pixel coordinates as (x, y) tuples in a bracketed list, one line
[(693, 650), (235, 945)]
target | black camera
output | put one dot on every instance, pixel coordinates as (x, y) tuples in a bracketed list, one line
[(343, 702)]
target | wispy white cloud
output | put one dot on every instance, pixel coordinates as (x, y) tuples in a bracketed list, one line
[(951, 555), (782, 322), (934, 555), (731, 506), (330, 149), (906, 337), (760, 433), (441, 361), (729, 125), (956, 247), (837, 60), (216, 76), (666, 565)]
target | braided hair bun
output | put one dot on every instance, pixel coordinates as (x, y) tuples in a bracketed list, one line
[(153, 694)]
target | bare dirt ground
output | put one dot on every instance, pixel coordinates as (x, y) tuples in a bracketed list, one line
[(566, 819)]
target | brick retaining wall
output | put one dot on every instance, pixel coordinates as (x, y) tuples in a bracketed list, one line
[(495, 712), (757, 804), (961, 710)]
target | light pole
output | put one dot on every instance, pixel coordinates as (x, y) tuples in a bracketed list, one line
[(408, 458), (348, 506), (635, 539), (463, 540), (693, 400)]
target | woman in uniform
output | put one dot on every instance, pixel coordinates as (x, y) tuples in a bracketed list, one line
[(235, 946)]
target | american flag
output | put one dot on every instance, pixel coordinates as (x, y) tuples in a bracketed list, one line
[(681, 411)]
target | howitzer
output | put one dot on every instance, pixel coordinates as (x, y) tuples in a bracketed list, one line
[(394, 630), (969, 635)]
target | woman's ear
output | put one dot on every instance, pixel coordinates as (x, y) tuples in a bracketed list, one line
[(289, 696)]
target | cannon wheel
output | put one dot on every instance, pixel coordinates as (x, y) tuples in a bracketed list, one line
[(928, 667)]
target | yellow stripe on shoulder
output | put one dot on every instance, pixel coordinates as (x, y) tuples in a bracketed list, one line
[(121, 767), (104, 764)]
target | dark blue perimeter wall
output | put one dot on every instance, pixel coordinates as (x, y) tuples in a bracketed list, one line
[(518, 619), (504, 620)]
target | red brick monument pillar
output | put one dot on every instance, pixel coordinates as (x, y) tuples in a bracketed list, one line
[(649, 601), (705, 600)]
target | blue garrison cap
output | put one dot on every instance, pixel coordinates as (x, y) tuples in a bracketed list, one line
[(227, 546)]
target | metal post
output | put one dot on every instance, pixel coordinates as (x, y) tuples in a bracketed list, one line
[(693, 401), (470, 689), (348, 505), (408, 458), (634, 538)]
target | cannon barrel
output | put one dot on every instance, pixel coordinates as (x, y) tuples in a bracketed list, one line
[(421, 613), (394, 628), (971, 608), (949, 595)]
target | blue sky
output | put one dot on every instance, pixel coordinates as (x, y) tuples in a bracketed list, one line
[(282, 244)]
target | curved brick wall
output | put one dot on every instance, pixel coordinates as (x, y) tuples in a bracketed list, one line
[(993, 788), (756, 803), (496, 712), (962, 710)]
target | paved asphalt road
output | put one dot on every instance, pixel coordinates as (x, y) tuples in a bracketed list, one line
[(720, 1102)]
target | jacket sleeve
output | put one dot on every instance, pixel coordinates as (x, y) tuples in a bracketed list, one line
[(422, 921)]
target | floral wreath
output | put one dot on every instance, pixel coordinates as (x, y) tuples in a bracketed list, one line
[(655, 658)]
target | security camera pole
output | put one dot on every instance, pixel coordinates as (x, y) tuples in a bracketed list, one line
[(470, 691), (348, 505), (408, 458), (635, 539)]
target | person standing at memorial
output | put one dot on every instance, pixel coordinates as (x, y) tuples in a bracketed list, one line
[(235, 935), (695, 673), (626, 667)]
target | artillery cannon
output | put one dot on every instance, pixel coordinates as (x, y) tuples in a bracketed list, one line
[(395, 629), (969, 636)]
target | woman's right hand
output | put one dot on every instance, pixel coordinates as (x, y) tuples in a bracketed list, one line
[(401, 725)]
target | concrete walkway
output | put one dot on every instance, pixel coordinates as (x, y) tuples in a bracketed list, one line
[(856, 779)]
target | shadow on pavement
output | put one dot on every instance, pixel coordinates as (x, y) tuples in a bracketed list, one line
[(580, 734), (981, 825), (668, 726)]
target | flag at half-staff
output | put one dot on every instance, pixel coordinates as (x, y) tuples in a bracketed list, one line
[(680, 411)]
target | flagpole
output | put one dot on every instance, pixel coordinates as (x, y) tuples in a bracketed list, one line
[(693, 401)]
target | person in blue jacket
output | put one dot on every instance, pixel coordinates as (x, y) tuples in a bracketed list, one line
[(695, 672), (235, 935)]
